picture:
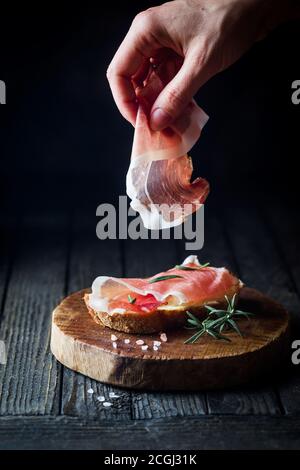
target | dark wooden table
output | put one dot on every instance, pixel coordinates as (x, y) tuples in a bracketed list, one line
[(44, 405)]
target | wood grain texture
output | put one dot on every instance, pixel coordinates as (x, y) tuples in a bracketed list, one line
[(83, 345), (259, 261), (261, 399), (30, 381), (206, 432), (153, 405), (144, 258), (266, 267), (259, 264), (285, 229), (89, 257), (257, 400), (7, 239)]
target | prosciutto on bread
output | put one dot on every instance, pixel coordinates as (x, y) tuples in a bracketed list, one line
[(159, 302), (158, 179)]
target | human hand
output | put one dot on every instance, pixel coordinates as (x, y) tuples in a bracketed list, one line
[(204, 37)]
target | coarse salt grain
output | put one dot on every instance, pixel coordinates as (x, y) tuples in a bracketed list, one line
[(145, 347), (107, 404), (156, 343), (139, 342), (113, 395), (101, 398), (155, 348), (90, 390), (113, 337), (126, 341), (163, 337), (114, 345)]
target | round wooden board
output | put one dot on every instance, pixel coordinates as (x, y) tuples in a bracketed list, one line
[(84, 346)]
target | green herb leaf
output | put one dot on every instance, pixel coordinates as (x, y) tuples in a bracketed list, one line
[(217, 321), (188, 268), (131, 300), (193, 322), (163, 278), (194, 338), (235, 327), (189, 314)]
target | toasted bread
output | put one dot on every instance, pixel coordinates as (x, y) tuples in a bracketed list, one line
[(166, 317)]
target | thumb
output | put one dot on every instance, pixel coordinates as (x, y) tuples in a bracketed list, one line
[(177, 94)]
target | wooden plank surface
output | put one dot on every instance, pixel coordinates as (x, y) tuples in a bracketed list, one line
[(30, 381), (260, 400), (260, 263), (144, 258), (264, 247), (90, 257), (285, 228), (7, 238), (203, 432)]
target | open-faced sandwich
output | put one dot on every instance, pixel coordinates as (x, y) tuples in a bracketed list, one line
[(159, 302)]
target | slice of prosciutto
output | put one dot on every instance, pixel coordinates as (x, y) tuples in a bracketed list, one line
[(187, 285), (158, 179)]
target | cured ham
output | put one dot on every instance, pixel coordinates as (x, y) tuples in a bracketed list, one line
[(186, 285), (158, 179)]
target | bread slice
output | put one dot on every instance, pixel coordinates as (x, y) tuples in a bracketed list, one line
[(166, 317)]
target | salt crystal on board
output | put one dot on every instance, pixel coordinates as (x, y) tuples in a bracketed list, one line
[(163, 337), (139, 342)]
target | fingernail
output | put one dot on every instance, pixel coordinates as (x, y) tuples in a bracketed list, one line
[(159, 119)]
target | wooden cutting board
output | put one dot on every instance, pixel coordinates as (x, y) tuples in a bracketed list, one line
[(84, 346)]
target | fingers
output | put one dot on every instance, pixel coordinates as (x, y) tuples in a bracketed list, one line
[(124, 65), (128, 65), (177, 94)]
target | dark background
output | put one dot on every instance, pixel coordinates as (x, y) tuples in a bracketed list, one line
[(64, 144)]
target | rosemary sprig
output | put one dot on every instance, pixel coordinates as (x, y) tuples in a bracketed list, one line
[(216, 321), (188, 268), (163, 278), (131, 300)]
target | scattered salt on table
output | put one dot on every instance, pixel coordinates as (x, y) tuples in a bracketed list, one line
[(114, 345), (155, 348), (101, 398), (90, 390), (126, 341), (156, 343), (113, 337), (139, 342), (107, 404), (145, 347), (113, 395)]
